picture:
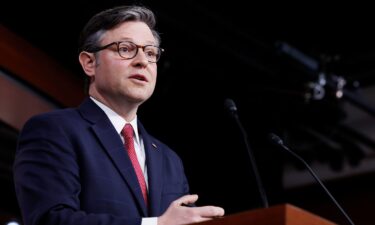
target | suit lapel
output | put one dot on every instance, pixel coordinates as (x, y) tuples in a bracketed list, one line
[(154, 160), (113, 145)]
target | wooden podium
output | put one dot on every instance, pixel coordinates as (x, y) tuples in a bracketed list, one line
[(285, 214)]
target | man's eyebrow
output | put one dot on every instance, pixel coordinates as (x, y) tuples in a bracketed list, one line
[(132, 40)]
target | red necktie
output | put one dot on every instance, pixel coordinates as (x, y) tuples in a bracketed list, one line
[(128, 135)]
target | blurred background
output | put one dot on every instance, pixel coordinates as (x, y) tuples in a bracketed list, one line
[(304, 72)]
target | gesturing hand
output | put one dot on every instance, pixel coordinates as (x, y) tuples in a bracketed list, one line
[(179, 214)]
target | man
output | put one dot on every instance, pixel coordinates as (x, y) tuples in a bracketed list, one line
[(96, 164)]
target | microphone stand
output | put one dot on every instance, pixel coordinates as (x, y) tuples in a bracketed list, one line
[(277, 140), (232, 108)]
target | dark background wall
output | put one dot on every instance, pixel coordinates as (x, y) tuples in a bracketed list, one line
[(230, 50)]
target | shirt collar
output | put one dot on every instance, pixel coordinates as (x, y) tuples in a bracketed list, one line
[(117, 121)]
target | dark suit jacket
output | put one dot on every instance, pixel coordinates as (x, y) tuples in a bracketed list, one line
[(71, 168)]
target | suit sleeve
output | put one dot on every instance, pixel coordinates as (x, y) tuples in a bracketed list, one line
[(47, 178)]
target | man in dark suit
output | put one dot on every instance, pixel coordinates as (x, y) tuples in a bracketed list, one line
[(81, 166)]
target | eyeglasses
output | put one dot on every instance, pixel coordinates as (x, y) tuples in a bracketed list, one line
[(128, 50)]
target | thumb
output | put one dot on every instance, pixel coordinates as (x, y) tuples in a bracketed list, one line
[(187, 199)]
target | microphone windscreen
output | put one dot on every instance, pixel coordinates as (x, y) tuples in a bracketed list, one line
[(275, 139), (230, 105)]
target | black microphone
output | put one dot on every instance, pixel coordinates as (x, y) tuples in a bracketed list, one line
[(231, 107), (277, 140)]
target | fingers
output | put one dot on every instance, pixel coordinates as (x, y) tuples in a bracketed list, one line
[(210, 211), (203, 211), (178, 214)]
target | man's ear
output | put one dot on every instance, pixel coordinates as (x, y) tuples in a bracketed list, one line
[(88, 62)]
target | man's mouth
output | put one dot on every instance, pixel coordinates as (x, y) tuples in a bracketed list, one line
[(139, 77)]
